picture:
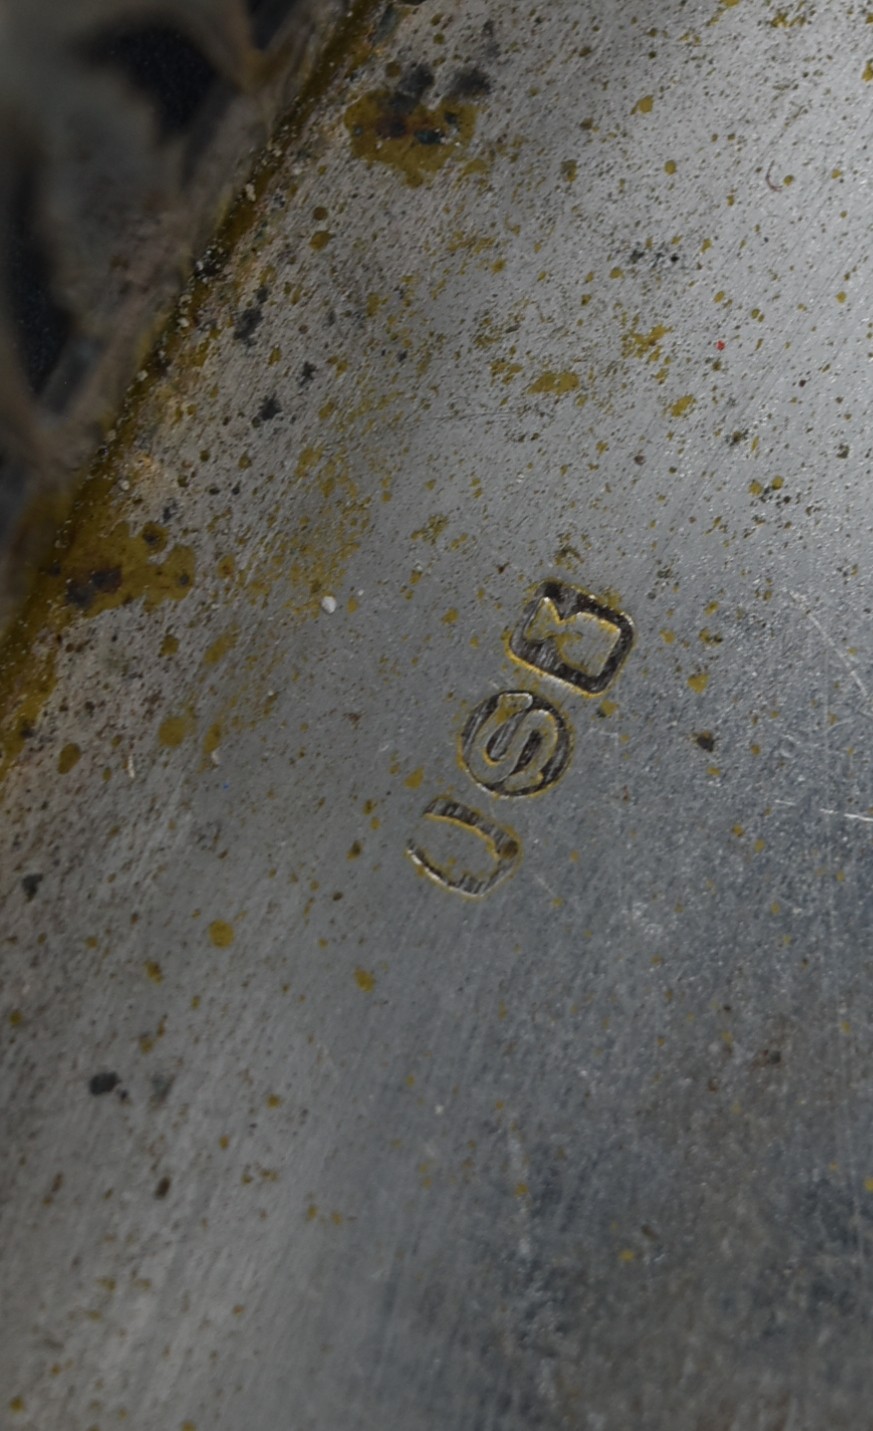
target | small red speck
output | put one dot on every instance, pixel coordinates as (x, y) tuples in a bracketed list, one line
[(720, 345)]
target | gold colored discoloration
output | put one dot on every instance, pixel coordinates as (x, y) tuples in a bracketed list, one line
[(557, 383), (175, 729), (68, 758), (221, 933), (647, 346), (106, 564), (220, 647), (417, 142)]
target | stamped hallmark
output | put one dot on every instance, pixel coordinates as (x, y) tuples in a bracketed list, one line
[(567, 634), (483, 856), (517, 742)]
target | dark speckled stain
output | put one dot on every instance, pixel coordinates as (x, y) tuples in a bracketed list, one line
[(101, 1083), (162, 1188), (307, 373), (470, 83), (30, 884), (249, 320), (268, 409), (395, 126), (84, 592), (408, 92), (706, 740), (247, 324), (767, 1058)]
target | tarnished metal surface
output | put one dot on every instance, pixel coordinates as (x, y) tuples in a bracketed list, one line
[(437, 804), (127, 128)]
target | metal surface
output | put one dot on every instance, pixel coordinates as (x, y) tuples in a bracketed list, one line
[(127, 129), (381, 1047)]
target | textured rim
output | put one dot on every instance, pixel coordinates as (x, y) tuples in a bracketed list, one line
[(126, 129)]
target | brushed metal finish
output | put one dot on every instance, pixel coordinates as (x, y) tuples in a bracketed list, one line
[(548, 348)]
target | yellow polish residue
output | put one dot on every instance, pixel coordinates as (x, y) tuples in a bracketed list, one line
[(638, 344), (470, 243), (867, 76), (154, 971), (365, 980), (644, 105), (450, 616), (175, 729), (699, 682), (68, 758), (868, 1185), (432, 529), (107, 569), (221, 933), (169, 645), (683, 405), (414, 781), (105, 564), (670, 166), (320, 239), (554, 382), (505, 370), (220, 647), (417, 143), (668, 636)]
